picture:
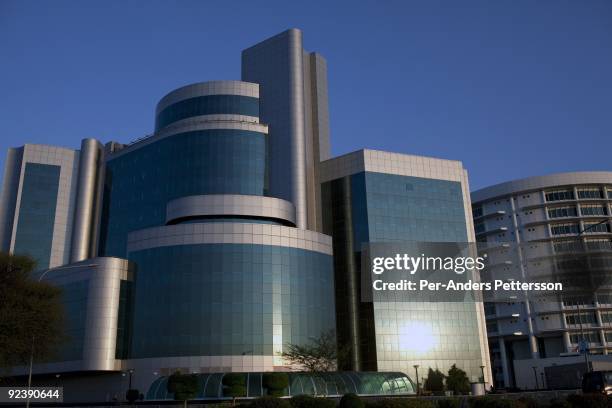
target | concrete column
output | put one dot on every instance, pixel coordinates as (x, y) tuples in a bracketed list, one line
[(504, 361), (566, 342), (86, 200), (533, 343)]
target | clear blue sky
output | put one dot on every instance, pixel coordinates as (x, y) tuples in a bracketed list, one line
[(511, 88)]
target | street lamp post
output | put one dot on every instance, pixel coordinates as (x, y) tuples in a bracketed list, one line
[(482, 372), (535, 375), (416, 368)]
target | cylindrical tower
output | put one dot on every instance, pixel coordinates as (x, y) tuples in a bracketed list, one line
[(85, 211), (562, 212), (224, 280)]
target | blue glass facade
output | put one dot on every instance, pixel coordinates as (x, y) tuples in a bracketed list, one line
[(74, 301), (369, 207), (34, 234), (140, 183), (392, 208), (226, 299), (207, 105)]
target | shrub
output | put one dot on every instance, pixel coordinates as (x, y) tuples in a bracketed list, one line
[(351, 401), (457, 381), (308, 401), (494, 402), (269, 402), (183, 386), (449, 403), (234, 385), (558, 403), (401, 403), (275, 383), (132, 395), (434, 381), (589, 401)]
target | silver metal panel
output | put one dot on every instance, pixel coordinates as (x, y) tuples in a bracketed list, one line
[(104, 276), (230, 204), (377, 161), (541, 182), (317, 133), (235, 233), (84, 215), (277, 65), (8, 197), (208, 88), (66, 159)]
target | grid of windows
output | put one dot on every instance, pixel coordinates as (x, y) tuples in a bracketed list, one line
[(567, 246), (560, 195), (34, 234), (124, 319), (74, 301), (589, 336), (590, 193), (229, 299), (587, 210), (599, 244), (594, 228), (606, 317), (477, 211), (207, 105), (604, 298), (559, 212), (581, 318), (562, 229), (372, 207), (140, 183), (431, 211)]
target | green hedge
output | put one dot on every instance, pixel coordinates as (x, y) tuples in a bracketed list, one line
[(401, 403), (269, 402), (448, 403), (351, 401), (308, 401), (589, 401)]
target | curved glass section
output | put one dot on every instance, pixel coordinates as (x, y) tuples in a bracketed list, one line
[(229, 299), (140, 183), (331, 384), (207, 105)]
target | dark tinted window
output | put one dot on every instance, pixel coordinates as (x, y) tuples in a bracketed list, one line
[(208, 105), (37, 212)]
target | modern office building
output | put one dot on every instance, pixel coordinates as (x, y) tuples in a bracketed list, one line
[(48, 202), (379, 197), (562, 213), (207, 246)]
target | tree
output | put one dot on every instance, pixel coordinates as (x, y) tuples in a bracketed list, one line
[(132, 395), (457, 381), (319, 355), (434, 381), (183, 386), (234, 385), (31, 313), (275, 383)]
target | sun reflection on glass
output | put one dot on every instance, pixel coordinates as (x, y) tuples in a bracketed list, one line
[(417, 337)]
